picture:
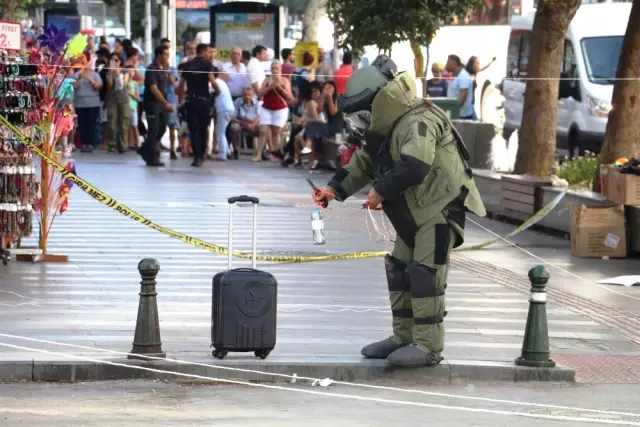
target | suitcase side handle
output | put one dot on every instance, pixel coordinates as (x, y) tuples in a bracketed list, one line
[(243, 198)]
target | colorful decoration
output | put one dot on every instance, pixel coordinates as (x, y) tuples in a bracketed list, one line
[(56, 53), (76, 46), (53, 39), (621, 162)]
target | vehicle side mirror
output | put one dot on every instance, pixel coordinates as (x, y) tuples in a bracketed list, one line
[(564, 90)]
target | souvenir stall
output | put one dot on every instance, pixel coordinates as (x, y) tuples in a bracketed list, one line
[(36, 113)]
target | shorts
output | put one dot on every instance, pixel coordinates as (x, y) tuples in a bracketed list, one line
[(172, 120), (276, 118), (133, 119), (184, 130)]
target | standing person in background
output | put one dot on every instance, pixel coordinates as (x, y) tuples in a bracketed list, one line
[(189, 51), (196, 78), (102, 65), (343, 73), (324, 71), (473, 68), (461, 87), (172, 117), (86, 102), (255, 72), (288, 63), (134, 97), (437, 86), (274, 111), (236, 73), (246, 57), (225, 110), (118, 49), (213, 53), (142, 129), (117, 100), (156, 105)]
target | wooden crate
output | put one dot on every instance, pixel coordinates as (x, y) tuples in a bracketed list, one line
[(521, 195)]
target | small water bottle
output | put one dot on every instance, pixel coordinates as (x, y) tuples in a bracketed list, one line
[(317, 226)]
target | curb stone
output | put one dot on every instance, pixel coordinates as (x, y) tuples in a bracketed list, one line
[(447, 372)]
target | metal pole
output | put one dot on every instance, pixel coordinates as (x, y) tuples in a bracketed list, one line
[(104, 20), (173, 33), (127, 18), (164, 11), (147, 31)]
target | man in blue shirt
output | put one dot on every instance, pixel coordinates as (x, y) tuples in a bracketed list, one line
[(170, 94), (245, 122), (461, 87)]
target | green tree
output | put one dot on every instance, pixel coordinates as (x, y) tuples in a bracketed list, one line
[(537, 137), (622, 137), (383, 22), (16, 10)]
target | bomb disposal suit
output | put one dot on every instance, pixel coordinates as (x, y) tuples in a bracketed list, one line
[(416, 161)]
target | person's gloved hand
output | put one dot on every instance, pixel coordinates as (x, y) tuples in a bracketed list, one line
[(322, 196), (374, 199)]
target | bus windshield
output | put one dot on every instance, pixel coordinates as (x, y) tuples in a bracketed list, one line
[(601, 55)]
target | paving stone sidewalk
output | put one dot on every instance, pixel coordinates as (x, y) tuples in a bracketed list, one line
[(327, 310)]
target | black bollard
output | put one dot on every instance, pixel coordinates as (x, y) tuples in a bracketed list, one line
[(146, 341), (535, 346)]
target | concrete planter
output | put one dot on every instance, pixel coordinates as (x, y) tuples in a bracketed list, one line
[(521, 196)]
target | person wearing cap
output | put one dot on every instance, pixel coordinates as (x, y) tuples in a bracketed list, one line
[(437, 86)]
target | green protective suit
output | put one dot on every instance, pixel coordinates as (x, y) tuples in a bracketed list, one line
[(418, 169)]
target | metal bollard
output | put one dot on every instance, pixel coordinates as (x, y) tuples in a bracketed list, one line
[(535, 346), (146, 341)]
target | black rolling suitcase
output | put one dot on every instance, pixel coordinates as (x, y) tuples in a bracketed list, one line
[(244, 305)]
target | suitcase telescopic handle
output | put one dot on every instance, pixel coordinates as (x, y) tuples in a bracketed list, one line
[(243, 198), (239, 199)]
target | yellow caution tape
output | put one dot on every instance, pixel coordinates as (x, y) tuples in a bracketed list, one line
[(220, 250)]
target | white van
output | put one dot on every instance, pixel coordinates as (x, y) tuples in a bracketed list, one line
[(591, 53)]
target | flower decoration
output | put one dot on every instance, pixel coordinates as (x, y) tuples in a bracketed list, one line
[(71, 167), (76, 46), (65, 91), (63, 124), (53, 38), (64, 206), (37, 206), (63, 191)]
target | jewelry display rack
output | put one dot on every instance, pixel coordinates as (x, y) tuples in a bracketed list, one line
[(19, 186)]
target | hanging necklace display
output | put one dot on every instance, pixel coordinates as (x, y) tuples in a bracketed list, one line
[(19, 185)]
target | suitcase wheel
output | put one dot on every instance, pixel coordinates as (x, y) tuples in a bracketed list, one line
[(262, 354), (220, 354)]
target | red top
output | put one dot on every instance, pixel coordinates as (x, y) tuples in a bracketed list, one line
[(341, 76), (288, 70), (273, 101)]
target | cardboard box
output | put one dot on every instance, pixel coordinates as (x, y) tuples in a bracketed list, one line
[(598, 231), (623, 188), (605, 170)]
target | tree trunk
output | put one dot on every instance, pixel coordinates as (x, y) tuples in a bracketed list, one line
[(537, 136), (314, 12), (622, 138)]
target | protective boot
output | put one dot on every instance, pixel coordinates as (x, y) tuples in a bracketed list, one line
[(381, 349), (428, 304), (400, 296), (411, 356)]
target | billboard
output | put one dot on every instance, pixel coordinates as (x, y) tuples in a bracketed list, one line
[(244, 30)]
